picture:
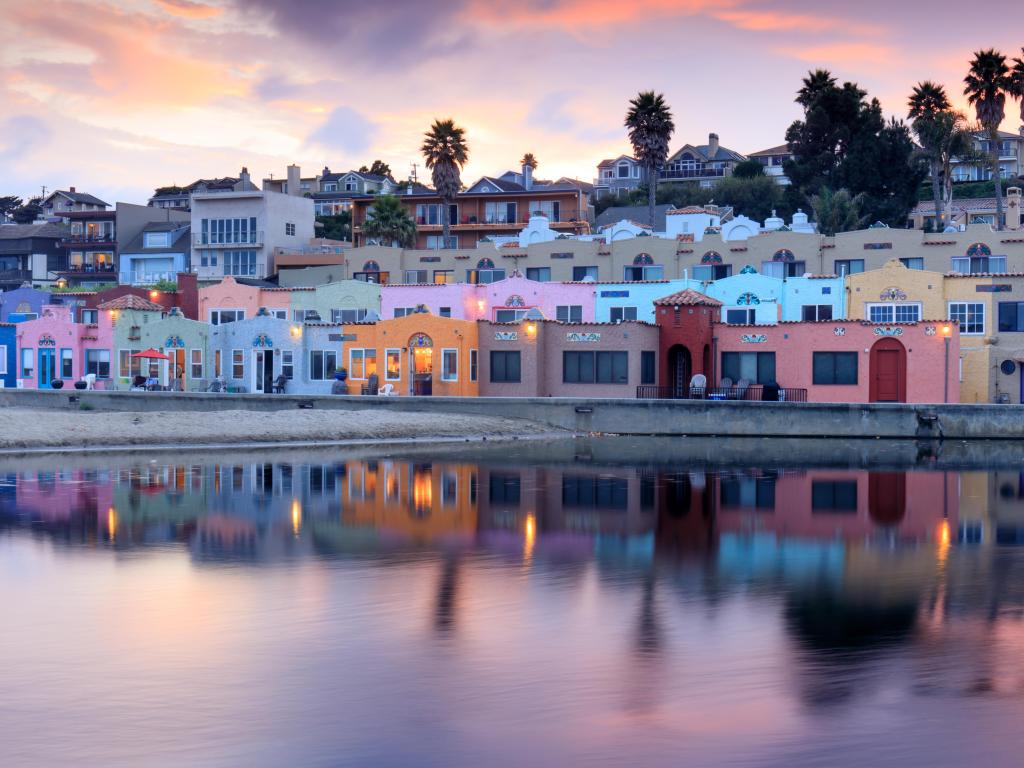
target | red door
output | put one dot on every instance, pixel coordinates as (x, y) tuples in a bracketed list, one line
[(888, 372)]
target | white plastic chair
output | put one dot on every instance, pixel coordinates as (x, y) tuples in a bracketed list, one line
[(388, 390), (90, 380)]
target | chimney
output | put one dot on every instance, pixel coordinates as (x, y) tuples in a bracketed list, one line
[(71, 189), (712, 145), (294, 185), (1013, 201), (243, 178), (527, 177), (187, 298)]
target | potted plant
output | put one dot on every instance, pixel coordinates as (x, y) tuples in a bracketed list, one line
[(57, 384)]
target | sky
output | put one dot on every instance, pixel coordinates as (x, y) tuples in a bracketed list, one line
[(117, 97)]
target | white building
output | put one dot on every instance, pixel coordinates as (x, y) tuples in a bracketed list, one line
[(236, 232)]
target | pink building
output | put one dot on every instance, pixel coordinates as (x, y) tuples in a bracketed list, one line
[(54, 346), (502, 301), (230, 300)]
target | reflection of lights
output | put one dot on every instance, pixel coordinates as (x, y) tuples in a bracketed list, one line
[(942, 537), (111, 523), (422, 492), (529, 537), (296, 517)]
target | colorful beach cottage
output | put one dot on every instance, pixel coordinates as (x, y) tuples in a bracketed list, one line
[(54, 346), (8, 355)]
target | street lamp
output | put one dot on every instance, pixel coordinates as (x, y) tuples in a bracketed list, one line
[(946, 331)]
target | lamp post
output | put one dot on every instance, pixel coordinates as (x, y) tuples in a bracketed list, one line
[(946, 330)]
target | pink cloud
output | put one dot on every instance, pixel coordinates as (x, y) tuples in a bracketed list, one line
[(186, 9)]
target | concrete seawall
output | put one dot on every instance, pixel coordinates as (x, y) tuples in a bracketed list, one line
[(627, 417)]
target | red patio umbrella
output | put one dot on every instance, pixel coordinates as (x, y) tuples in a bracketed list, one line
[(151, 354)]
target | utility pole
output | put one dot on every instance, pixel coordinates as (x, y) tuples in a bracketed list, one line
[(413, 177)]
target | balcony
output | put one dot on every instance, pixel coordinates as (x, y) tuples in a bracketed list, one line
[(15, 275), (252, 239), (89, 238), (679, 174), (146, 278), (79, 270)]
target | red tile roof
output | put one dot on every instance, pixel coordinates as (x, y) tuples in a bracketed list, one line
[(687, 297), (131, 301)]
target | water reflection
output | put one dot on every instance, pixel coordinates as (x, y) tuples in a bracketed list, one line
[(625, 601)]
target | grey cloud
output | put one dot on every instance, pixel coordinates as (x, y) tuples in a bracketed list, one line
[(345, 131), (22, 134)]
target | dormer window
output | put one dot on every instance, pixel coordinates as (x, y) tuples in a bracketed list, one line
[(156, 239)]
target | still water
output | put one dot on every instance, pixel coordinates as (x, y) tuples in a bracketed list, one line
[(595, 602)]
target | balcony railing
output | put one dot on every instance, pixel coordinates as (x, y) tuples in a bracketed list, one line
[(752, 392), (85, 238), (146, 278), (87, 269), (200, 240), (690, 173), (15, 275)]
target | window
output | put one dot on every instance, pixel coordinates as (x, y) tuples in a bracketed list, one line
[(623, 169), (835, 367), (474, 362), (437, 242), (505, 367), (287, 365), (815, 312), (643, 268), (741, 316), (647, 362), (280, 314), (289, 229), (499, 213), (1011, 316), (915, 262), (3, 360), (509, 315), (444, 312), (377, 277), (305, 316), (595, 367), (240, 263), (504, 489), (347, 315), (430, 213), (216, 363), (27, 365), (584, 273), (322, 364), (755, 367), (595, 492), (392, 364), (444, 276), (707, 272), (403, 311), (156, 239), (362, 363), (973, 265), (98, 361), (549, 208), (416, 276), (849, 266), (89, 316), (219, 231), (66, 363), (208, 259), (569, 313), (540, 274), (197, 363), (618, 314), (237, 364), (894, 313), (749, 492), (482, 276), (221, 316), (782, 269), (970, 315), (449, 365), (834, 495)]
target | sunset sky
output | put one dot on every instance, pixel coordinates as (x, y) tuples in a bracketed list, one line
[(121, 96)]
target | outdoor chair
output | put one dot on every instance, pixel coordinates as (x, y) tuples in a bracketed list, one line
[(90, 380), (740, 392), (388, 390), (372, 384), (699, 386), (139, 384), (279, 384)]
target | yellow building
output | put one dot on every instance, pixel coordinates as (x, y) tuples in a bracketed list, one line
[(985, 306)]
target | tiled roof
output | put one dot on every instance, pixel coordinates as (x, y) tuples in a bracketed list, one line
[(20, 231), (131, 301), (979, 204), (782, 149), (688, 210), (687, 297)]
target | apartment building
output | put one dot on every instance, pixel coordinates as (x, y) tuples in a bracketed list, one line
[(1011, 157), (30, 253)]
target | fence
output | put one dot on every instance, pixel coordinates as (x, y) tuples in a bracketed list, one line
[(752, 392)]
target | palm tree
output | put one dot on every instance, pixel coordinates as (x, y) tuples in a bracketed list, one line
[(530, 160), (986, 84), (928, 103), (816, 83), (837, 211), (389, 222), (445, 150), (650, 125), (1016, 87)]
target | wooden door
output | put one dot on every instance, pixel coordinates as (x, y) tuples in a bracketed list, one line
[(888, 372)]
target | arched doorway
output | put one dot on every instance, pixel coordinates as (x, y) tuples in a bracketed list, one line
[(888, 383), (887, 497), (679, 369), (421, 359)]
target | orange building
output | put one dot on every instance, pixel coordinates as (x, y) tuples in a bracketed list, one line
[(416, 354)]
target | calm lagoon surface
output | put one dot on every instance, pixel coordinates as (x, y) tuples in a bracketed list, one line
[(589, 602)]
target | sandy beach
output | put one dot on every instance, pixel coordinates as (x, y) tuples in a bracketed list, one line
[(35, 428)]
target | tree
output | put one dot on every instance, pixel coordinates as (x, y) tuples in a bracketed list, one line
[(844, 142), (336, 227), (530, 160), (379, 168), (650, 126), (8, 205), (28, 212), (952, 139), (1016, 87), (389, 222), (985, 87), (748, 169), (837, 211), (446, 152), (928, 104)]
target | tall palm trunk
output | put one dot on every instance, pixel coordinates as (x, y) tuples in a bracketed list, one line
[(997, 179), (652, 185), (445, 222), (937, 185)]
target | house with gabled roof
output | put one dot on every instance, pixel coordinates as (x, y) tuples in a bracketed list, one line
[(60, 202), (616, 175), (773, 160), (702, 163)]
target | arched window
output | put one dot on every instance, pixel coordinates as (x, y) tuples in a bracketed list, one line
[(642, 260), (485, 263), (784, 255), (711, 257), (371, 266), (421, 341), (979, 249)]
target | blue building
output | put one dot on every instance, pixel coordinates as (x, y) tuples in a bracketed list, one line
[(159, 252), (25, 303), (635, 301), (8, 356), (756, 299)]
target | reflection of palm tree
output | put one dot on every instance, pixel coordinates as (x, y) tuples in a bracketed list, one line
[(444, 611), (648, 636)]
